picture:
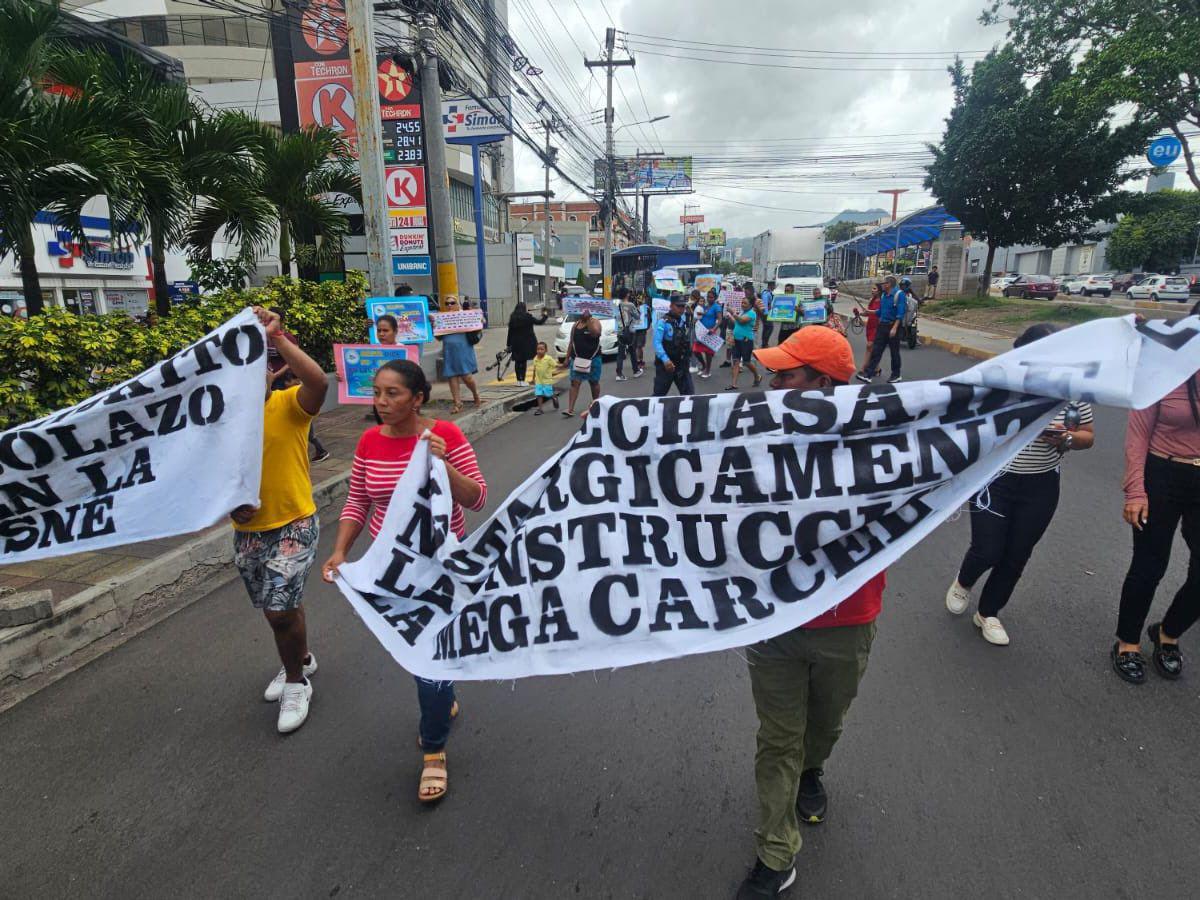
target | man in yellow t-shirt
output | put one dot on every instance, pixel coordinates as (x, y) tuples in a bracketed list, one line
[(275, 543)]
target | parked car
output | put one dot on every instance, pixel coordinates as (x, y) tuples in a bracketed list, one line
[(1030, 286), (1087, 285), (608, 335), (1194, 289), (1160, 287)]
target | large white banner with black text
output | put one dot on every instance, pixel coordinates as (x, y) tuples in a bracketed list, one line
[(170, 451), (683, 525)]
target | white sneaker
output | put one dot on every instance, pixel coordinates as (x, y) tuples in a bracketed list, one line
[(293, 707), (993, 632), (622, 378), (693, 370), (958, 598), (275, 689)]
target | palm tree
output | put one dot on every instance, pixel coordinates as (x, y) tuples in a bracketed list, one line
[(184, 156), (56, 149), (297, 175)]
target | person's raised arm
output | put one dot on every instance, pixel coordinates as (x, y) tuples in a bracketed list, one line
[(313, 383)]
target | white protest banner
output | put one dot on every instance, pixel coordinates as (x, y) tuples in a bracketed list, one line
[(457, 321), (710, 339), (597, 306), (678, 525), (173, 450)]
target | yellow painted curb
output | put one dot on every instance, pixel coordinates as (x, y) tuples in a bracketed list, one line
[(956, 349)]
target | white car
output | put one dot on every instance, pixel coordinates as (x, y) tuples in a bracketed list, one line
[(1087, 285), (1161, 287), (608, 335)]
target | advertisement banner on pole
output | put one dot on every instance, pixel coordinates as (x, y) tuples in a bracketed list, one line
[(415, 217), (661, 174), (410, 241), (524, 249), (466, 120)]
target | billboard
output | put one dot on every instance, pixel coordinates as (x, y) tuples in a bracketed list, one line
[(464, 121), (691, 219), (714, 237), (661, 174)]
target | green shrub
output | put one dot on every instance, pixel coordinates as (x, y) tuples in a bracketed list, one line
[(57, 359)]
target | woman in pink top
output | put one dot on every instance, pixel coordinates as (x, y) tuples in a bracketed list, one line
[(383, 453), (1162, 492)]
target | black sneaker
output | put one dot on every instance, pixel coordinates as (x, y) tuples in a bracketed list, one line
[(321, 457), (863, 377), (811, 801), (763, 882), (1130, 665), (895, 379), (1168, 658), (726, 364)]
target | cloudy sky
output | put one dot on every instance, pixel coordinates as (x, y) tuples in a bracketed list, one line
[(771, 143)]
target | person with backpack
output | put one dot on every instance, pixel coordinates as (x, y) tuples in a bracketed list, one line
[(672, 350), (627, 317)]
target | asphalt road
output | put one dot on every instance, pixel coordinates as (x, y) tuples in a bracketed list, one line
[(964, 770)]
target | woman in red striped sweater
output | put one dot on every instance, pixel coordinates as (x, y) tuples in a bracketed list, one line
[(383, 452)]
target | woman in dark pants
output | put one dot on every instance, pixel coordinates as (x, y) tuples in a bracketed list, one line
[(1162, 493), (1011, 514), (521, 341)]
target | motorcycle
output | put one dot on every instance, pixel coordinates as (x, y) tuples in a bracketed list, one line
[(909, 334)]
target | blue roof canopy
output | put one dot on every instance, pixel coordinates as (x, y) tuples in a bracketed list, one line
[(915, 228)]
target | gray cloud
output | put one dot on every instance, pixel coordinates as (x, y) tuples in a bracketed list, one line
[(734, 113)]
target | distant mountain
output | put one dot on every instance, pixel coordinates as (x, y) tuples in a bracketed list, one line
[(859, 216)]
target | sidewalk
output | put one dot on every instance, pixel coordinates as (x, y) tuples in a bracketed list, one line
[(100, 592)]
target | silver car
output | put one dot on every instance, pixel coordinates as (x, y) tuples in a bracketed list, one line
[(608, 335)]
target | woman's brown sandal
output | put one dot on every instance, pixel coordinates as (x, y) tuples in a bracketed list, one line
[(434, 779)]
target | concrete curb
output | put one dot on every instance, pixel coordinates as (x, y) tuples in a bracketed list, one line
[(957, 349), (103, 617)]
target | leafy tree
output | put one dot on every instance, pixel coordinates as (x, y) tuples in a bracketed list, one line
[(1159, 231), (840, 231), (723, 267), (1141, 52), (742, 269), (56, 149), (1023, 163), (292, 188), (182, 155)]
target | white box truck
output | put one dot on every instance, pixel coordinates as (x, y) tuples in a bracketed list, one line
[(790, 256)]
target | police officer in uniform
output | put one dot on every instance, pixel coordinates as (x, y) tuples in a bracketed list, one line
[(673, 349)]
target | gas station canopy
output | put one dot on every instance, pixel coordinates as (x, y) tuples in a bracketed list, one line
[(914, 228)]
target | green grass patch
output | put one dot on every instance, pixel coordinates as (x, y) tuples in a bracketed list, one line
[(1067, 314), (953, 306)]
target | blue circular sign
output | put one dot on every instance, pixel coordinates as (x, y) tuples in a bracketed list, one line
[(1164, 150)]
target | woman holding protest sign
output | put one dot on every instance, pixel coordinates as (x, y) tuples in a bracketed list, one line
[(583, 360), (707, 317), (381, 458), (743, 341), (459, 364), (1162, 495), (1010, 515)]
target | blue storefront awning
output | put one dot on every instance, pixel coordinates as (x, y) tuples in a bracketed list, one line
[(914, 228)]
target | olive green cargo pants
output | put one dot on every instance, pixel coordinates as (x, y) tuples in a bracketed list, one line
[(803, 682)]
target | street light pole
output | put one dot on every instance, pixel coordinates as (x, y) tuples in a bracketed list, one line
[(549, 126), (608, 63)]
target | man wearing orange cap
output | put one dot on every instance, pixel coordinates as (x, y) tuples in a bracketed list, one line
[(803, 680)]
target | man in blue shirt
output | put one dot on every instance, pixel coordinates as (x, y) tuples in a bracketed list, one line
[(768, 298), (891, 317), (672, 349)]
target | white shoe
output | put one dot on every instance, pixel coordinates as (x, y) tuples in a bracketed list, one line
[(622, 378), (706, 374), (993, 632), (958, 598), (693, 370), (275, 689), (293, 706)]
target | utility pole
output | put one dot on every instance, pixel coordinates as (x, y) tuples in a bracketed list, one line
[(361, 37), (895, 192), (551, 154), (608, 63), (438, 188)]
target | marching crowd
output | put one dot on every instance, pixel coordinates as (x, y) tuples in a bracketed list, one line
[(802, 681)]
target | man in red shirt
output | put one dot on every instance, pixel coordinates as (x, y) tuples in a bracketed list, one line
[(803, 680)]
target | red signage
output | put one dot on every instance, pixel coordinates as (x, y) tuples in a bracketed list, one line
[(405, 186), (394, 83), (324, 27), (691, 220), (327, 102)]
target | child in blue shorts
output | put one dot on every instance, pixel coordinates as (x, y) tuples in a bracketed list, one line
[(541, 376)]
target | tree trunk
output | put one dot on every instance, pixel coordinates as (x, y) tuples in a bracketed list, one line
[(31, 283), (285, 249), (986, 281), (158, 259)]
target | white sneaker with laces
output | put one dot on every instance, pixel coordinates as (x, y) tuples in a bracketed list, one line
[(275, 689), (621, 378), (991, 629), (958, 598), (293, 705)]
